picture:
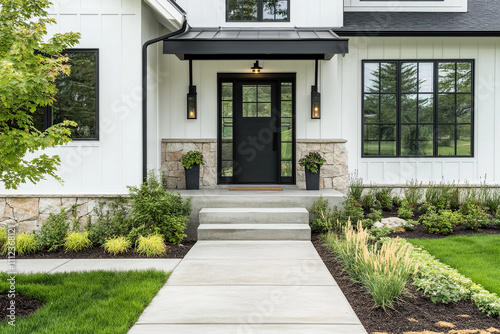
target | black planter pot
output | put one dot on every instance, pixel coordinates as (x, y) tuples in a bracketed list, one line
[(193, 177), (312, 180)]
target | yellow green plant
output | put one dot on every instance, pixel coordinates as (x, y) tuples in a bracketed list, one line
[(76, 241), (116, 245), (384, 268), (153, 245), (24, 244)]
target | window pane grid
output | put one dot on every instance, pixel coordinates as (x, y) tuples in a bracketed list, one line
[(286, 130), (227, 97), (434, 114)]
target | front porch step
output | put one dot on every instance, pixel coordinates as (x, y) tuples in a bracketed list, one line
[(254, 232), (254, 216)]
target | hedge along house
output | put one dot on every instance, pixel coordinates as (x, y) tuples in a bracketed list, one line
[(408, 88)]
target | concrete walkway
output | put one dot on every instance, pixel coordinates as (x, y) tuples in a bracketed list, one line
[(250, 287)]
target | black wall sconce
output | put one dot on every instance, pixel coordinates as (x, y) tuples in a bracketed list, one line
[(192, 100), (256, 68), (315, 96)]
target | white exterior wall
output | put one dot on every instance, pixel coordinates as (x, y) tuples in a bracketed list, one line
[(340, 85), (486, 160), (303, 13), (108, 165), (172, 96), (406, 6)]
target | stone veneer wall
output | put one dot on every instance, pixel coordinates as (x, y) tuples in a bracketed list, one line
[(334, 172), (172, 151), (29, 213)]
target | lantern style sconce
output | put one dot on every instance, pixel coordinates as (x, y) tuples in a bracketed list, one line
[(192, 101), (315, 95), (256, 68), (315, 103)]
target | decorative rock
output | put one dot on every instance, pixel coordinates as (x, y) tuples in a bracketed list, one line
[(391, 222)]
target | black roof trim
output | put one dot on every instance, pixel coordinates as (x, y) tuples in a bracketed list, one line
[(247, 43), (429, 33)]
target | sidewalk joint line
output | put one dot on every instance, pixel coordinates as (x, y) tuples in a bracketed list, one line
[(62, 264)]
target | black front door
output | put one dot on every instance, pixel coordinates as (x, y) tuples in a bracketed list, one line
[(256, 141), (256, 128)]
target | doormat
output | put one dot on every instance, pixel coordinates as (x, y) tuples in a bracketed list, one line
[(257, 189)]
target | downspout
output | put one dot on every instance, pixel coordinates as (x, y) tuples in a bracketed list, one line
[(145, 94)]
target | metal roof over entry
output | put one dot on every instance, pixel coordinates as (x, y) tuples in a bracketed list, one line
[(280, 43)]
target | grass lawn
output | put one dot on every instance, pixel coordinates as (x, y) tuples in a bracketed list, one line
[(474, 256), (91, 302)]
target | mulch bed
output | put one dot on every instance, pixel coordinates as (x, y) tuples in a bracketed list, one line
[(420, 232), (24, 306), (173, 252), (413, 313)]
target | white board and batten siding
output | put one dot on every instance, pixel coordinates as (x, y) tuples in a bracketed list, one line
[(303, 13), (105, 166), (486, 160)]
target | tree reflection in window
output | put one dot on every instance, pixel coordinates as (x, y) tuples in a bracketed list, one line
[(406, 112), (257, 10)]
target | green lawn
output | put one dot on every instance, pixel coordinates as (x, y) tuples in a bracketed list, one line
[(474, 256), (91, 302)]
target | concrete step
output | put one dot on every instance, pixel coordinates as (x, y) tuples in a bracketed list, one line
[(254, 232), (254, 216)]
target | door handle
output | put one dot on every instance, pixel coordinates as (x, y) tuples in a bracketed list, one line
[(275, 141)]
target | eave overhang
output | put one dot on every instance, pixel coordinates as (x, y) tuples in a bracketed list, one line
[(281, 43)]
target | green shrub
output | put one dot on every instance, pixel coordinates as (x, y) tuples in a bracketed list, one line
[(410, 224), (377, 233), (384, 196), (413, 192), (441, 222), (367, 202), (455, 199), (439, 195), (355, 187), (111, 221), (155, 210), (117, 245), (367, 223), (397, 201), (406, 210), (375, 215), (492, 202), (495, 220), (352, 210), (24, 244), (76, 241), (153, 245), (474, 216), (3, 237), (53, 231), (325, 218)]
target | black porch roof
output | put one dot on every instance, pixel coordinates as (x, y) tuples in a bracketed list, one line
[(259, 43)]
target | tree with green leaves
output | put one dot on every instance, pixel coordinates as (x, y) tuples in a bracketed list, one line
[(29, 65)]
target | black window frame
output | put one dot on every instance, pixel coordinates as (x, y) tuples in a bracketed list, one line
[(47, 112), (260, 13), (435, 94)]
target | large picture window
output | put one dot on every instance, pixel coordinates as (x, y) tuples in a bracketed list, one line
[(418, 108), (77, 97), (258, 10)]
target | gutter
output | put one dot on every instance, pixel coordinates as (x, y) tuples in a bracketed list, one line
[(145, 93)]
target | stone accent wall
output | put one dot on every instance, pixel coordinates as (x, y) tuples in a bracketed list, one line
[(172, 151), (29, 213), (334, 172)]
